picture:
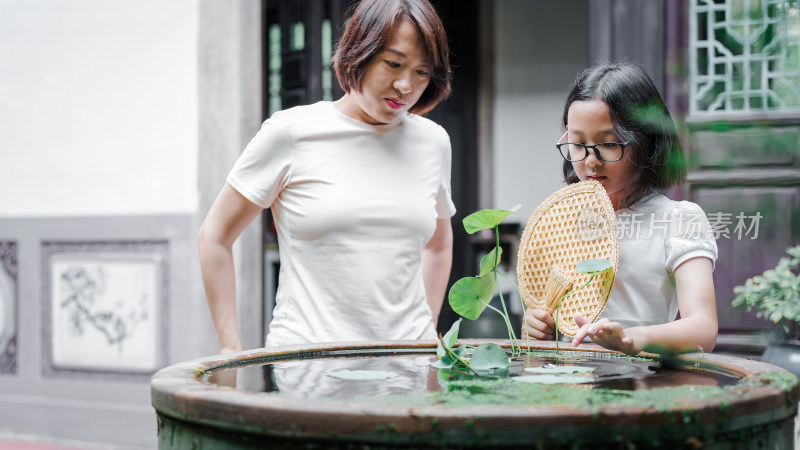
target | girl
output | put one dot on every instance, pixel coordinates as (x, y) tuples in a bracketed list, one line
[(360, 191), (620, 133)]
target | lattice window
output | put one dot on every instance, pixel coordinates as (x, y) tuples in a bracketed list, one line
[(744, 56), (327, 53), (299, 49), (274, 65)]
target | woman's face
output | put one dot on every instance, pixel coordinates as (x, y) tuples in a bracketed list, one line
[(588, 122), (394, 80)]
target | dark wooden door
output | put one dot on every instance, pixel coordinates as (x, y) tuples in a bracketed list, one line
[(298, 37), (459, 116)]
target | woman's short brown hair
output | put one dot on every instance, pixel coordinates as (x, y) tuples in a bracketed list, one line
[(368, 33)]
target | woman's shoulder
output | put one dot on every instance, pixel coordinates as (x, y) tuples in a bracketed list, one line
[(427, 126), (302, 113), (425, 123), (306, 121)]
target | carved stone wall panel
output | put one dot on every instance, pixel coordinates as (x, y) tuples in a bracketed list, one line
[(104, 308)]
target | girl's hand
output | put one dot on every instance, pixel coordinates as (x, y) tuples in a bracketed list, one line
[(538, 324), (604, 333)]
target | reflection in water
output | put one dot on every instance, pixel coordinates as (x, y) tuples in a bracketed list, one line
[(308, 379)]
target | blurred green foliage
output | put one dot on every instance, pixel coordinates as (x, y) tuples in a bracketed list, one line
[(775, 294)]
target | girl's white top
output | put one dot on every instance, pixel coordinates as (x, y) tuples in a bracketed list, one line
[(354, 205), (655, 237)]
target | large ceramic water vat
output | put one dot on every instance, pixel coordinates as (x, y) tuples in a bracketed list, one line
[(706, 401)]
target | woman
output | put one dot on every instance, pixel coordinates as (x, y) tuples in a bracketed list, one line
[(360, 191)]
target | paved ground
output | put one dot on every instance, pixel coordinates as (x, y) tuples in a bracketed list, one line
[(23, 445), (34, 443)]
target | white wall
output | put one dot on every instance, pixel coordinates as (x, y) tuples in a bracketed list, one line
[(540, 47), (99, 143), (99, 107)]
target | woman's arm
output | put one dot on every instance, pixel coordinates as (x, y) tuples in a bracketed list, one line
[(696, 329), (228, 217), (437, 259)]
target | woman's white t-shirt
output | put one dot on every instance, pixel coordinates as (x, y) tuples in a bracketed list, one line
[(354, 205), (655, 237)]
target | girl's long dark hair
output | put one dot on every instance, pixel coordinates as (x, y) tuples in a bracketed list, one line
[(641, 119)]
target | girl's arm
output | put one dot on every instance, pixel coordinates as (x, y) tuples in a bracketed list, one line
[(695, 330), (228, 217), (437, 259)]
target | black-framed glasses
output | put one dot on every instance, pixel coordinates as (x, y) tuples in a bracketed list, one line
[(605, 151)]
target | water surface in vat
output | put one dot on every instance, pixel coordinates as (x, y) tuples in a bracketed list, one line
[(306, 378)]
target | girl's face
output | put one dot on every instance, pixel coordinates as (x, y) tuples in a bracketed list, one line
[(588, 122), (394, 80)]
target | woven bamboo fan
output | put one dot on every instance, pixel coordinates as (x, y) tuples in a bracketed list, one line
[(576, 222)]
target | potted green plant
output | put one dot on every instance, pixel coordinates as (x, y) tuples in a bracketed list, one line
[(775, 295)]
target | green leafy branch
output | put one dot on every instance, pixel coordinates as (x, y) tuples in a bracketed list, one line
[(775, 294)]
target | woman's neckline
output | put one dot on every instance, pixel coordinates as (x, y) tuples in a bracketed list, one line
[(363, 125)]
